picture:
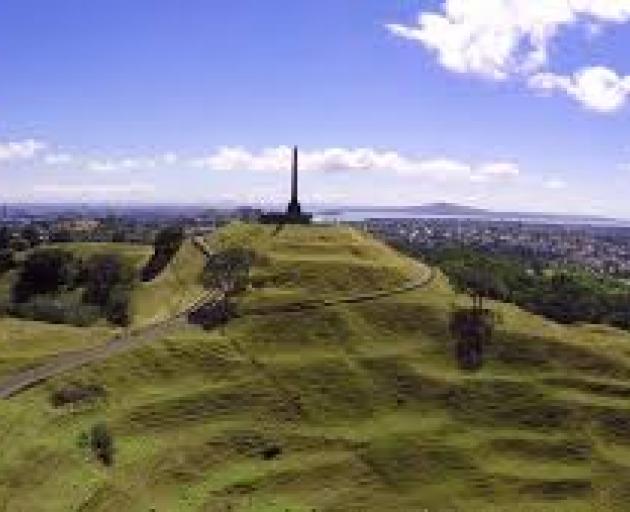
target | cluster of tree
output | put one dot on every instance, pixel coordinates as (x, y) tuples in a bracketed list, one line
[(567, 295), (473, 329), (108, 282), (228, 272), (54, 285), (13, 241), (166, 244), (55, 309), (7, 257), (7, 260)]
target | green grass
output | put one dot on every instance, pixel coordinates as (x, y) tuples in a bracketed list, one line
[(24, 343), (365, 401), (178, 285), (135, 254)]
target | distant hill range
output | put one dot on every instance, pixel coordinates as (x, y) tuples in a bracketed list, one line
[(461, 211)]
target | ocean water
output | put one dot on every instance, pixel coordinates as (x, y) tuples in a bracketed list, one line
[(363, 215)]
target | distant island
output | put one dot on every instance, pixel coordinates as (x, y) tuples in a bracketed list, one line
[(444, 209)]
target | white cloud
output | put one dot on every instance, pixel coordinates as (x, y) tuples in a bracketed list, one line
[(502, 38), (170, 158), (58, 159), (131, 164), (499, 169), (555, 184), (597, 88), (20, 150), (94, 190), (238, 158), (350, 159)]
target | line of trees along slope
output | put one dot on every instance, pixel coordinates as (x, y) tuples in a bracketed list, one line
[(167, 242), (568, 295)]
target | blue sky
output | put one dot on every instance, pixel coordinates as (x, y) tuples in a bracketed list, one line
[(392, 102)]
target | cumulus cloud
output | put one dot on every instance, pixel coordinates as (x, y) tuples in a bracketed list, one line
[(555, 184), (131, 164), (20, 150), (95, 190), (58, 159), (502, 38), (597, 88), (351, 159)]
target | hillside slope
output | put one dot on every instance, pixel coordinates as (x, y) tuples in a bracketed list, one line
[(26, 344), (175, 287), (354, 407)]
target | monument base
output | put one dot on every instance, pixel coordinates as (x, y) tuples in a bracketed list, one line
[(283, 218)]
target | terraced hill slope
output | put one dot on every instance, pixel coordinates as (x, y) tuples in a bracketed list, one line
[(353, 407)]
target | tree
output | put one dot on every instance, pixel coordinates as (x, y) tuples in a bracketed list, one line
[(118, 307), (46, 271), (480, 282), (103, 272), (108, 280), (169, 239), (228, 270), (32, 235), (7, 260), (473, 329), (166, 244), (5, 237), (102, 443)]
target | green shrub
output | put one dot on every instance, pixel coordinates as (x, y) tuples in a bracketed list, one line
[(229, 270), (76, 393), (167, 243), (108, 281), (7, 260), (117, 310), (46, 271), (57, 310), (102, 444)]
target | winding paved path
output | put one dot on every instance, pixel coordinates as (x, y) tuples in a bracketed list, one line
[(67, 361), (296, 307)]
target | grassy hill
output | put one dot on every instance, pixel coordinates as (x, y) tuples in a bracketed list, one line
[(26, 343), (355, 407), (176, 286), (168, 293)]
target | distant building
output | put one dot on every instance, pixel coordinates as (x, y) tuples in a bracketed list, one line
[(294, 214), (78, 225)]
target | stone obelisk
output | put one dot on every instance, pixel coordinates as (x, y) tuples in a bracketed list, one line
[(293, 214), (294, 209)]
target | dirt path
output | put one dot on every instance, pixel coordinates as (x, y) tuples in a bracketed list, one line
[(67, 361), (71, 360), (297, 307)]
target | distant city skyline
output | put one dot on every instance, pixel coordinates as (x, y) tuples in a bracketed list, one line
[(393, 103)]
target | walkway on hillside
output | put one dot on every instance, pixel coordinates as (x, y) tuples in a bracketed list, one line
[(68, 361), (297, 307)]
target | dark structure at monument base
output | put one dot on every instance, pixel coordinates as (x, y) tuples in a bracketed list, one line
[(294, 214), (283, 218)]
